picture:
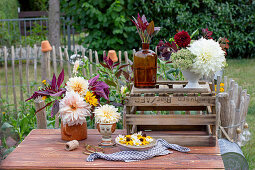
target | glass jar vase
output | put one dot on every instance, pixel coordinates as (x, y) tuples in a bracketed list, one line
[(145, 67)]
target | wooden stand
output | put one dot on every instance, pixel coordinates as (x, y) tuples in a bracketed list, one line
[(194, 126)]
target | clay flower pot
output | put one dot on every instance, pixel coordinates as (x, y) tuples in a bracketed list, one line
[(106, 130), (45, 46), (75, 132), (112, 55)]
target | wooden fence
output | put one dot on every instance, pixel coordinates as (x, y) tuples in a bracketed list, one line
[(23, 69), (232, 106)]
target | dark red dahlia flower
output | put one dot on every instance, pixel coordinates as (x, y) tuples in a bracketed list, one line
[(182, 39)]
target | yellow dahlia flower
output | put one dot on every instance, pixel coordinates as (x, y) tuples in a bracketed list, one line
[(91, 99)]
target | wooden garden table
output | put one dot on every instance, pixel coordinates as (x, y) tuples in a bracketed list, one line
[(44, 149)]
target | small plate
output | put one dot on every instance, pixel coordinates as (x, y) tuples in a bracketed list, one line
[(136, 148)]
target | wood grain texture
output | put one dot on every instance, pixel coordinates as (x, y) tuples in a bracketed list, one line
[(20, 74), (28, 52), (170, 119), (68, 63), (35, 54), (13, 77), (44, 149), (6, 72), (41, 115)]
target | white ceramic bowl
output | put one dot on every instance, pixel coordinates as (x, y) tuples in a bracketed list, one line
[(124, 147)]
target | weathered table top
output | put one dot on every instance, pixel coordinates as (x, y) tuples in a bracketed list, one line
[(44, 149)]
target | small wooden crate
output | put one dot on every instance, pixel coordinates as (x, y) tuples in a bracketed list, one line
[(197, 127)]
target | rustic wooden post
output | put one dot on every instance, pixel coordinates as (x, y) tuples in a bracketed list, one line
[(55, 72), (35, 63), (218, 85), (27, 68), (223, 99), (45, 48), (20, 74), (218, 122), (120, 57), (91, 60), (13, 78), (41, 115), (126, 60), (97, 60), (61, 58), (83, 56), (54, 60), (68, 63), (225, 83), (6, 73)]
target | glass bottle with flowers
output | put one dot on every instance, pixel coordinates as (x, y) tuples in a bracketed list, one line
[(145, 60)]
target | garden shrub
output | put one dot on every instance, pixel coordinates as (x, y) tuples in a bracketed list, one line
[(9, 9), (109, 27)]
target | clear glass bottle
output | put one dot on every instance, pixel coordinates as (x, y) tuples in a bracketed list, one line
[(145, 67)]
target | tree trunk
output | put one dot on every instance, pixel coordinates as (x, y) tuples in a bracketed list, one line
[(54, 24)]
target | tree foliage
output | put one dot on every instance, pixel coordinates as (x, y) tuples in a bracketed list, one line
[(109, 27)]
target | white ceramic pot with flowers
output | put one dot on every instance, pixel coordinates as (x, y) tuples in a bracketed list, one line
[(106, 117), (202, 57)]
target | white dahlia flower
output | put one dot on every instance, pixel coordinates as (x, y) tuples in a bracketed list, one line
[(78, 85), (210, 57), (106, 114), (73, 109)]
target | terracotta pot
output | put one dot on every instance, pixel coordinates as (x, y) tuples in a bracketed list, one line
[(112, 55), (45, 46), (106, 130), (75, 132)]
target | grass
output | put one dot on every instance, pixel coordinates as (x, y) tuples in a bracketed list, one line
[(243, 72)]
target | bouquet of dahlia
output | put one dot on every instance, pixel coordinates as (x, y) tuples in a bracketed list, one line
[(73, 101), (203, 56)]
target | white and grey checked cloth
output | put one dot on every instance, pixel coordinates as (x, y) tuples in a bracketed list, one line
[(161, 148)]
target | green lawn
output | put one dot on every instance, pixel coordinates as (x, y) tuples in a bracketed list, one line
[(243, 72)]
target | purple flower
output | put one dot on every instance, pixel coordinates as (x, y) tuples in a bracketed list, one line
[(166, 49), (100, 88), (207, 34), (53, 89)]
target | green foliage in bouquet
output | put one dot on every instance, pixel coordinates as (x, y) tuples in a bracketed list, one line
[(183, 59)]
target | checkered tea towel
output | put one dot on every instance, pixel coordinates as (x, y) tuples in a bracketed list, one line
[(161, 148)]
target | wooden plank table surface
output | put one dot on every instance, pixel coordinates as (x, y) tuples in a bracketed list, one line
[(44, 149)]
